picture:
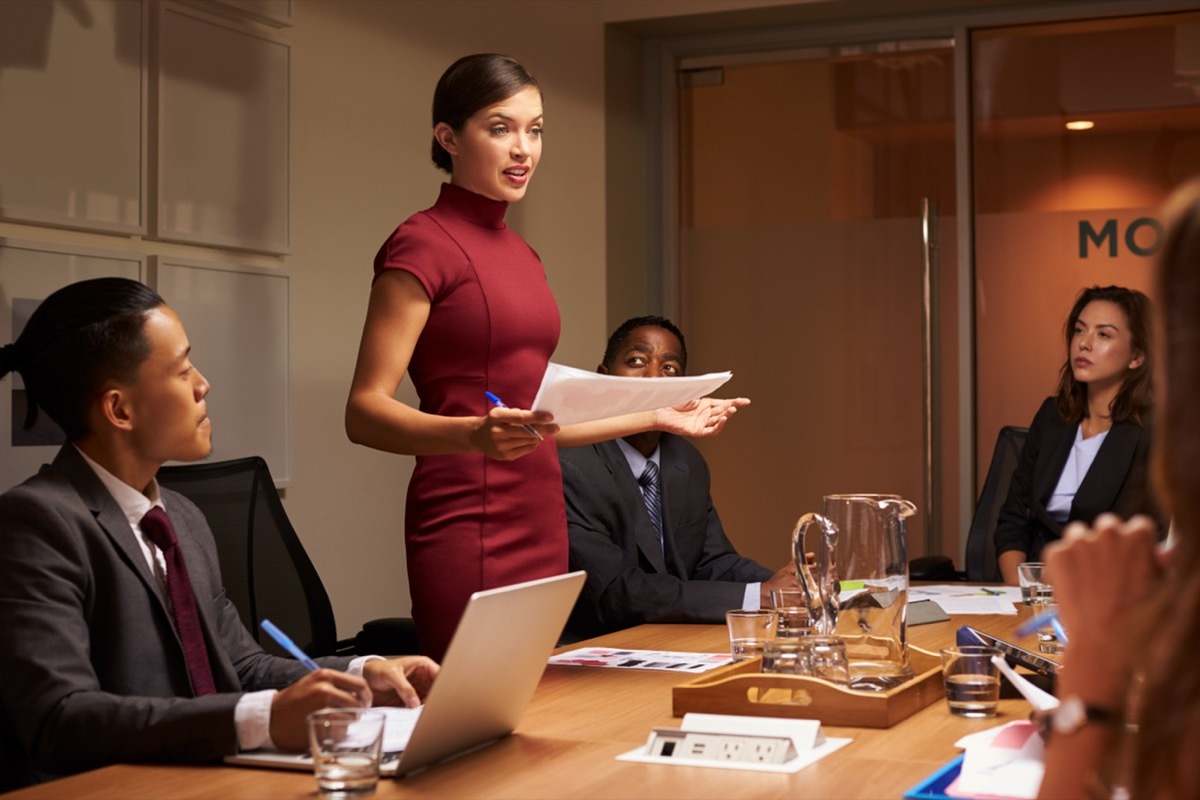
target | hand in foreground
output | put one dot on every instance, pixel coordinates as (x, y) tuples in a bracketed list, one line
[(403, 681), (1102, 578), (503, 435), (703, 417), (321, 689)]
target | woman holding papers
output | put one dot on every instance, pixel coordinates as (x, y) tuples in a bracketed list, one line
[(1129, 723), (461, 303), (1088, 447)]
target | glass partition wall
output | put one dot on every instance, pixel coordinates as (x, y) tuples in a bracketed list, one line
[(809, 252), (1080, 131), (817, 256)]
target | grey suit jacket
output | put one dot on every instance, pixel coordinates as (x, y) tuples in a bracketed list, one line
[(1118, 481), (630, 581), (91, 670)]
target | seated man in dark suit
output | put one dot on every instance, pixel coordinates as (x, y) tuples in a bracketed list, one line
[(688, 573), (117, 642)]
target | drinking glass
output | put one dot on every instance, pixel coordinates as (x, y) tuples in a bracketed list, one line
[(972, 680), (828, 654), (791, 613), (346, 745), (749, 631), (1047, 634), (787, 657), (1029, 575)]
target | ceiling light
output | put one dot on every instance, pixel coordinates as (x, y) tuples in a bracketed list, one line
[(1080, 125)]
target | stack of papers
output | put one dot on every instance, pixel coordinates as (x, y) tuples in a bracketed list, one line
[(618, 658), (963, 598), (576, 395)]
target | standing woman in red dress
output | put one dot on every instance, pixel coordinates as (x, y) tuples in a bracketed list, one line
[(460, 302)]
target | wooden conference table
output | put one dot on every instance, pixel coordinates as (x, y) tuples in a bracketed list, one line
[(581, 719)]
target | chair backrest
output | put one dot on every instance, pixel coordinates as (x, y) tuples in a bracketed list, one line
[(982, 564), (266, 571)]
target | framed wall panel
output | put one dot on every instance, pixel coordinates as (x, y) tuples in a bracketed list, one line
[(29, 272), (272, 12), (223, 141), (72, 113), (237, 322)]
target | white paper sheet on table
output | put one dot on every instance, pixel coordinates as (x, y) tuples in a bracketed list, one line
[(1005, 761), (577, 395), (965, 598)]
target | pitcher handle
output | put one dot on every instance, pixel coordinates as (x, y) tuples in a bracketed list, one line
[(820, 590)]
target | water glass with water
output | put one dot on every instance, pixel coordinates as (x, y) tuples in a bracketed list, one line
[(346, 745), (972, 680), (749, 630)]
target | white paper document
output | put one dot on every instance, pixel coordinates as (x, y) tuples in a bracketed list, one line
[(1006, 761), (670, 661), (964, 598), (397, 730), (577, 395)]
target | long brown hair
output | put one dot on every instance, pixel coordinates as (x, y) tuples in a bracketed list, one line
[(1135, 397), (1170, 718)]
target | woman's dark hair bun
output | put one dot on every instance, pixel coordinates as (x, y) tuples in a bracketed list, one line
[(8, 359)]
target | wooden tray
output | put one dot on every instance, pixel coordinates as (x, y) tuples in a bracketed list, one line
[(741, 689)]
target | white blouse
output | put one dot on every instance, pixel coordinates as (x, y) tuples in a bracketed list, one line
[(1079, 461)]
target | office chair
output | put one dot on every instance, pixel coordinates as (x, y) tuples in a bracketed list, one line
[(982, 566), (266, 571)]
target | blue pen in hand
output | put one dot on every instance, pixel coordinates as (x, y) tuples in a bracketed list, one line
[(1049, 618), (498, 403), (287, 644)]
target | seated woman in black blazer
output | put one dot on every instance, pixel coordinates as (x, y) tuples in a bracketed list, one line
[(1088, 446)]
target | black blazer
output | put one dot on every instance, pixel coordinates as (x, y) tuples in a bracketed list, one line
[(611, 536), (1118, 481), (92, 671)]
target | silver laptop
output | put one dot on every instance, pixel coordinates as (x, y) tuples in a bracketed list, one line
[(488, 677)]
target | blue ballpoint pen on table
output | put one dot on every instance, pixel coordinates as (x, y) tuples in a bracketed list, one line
[(498, 403), (287, 644)]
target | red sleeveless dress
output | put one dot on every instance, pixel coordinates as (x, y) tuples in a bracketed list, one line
[(472, 522)]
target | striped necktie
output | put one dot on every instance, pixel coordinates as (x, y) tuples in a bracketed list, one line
[(653, 497)]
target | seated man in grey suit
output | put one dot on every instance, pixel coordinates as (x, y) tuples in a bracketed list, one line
[(688, 573), (106, 654)]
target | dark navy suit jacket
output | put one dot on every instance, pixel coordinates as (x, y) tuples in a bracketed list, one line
[(630, 580)]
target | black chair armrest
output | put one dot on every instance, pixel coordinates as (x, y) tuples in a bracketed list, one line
[(389, 636), (933, 568)]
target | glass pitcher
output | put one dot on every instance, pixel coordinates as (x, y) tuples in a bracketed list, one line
[(859, 587)]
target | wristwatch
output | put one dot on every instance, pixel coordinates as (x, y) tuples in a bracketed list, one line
[(1072, 714)]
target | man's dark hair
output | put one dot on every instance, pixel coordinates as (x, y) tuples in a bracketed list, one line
[(80, 337), (620, 337)]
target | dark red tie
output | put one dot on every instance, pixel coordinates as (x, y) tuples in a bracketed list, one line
[(157, 527)]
